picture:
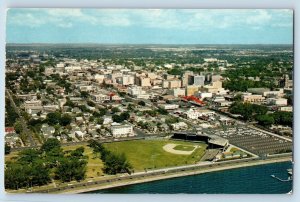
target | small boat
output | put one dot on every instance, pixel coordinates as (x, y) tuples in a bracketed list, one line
[(290, 172)]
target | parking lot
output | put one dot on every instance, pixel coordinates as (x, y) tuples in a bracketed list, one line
[(255, 141)]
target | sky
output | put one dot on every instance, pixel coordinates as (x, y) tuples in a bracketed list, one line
[(150, 26)]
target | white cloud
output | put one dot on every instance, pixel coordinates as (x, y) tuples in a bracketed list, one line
[(187, 19), (259, 17), (65, 12)]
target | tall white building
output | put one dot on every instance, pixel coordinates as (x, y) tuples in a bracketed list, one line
[(138, 92), (135, 90), (127, 80), (199, 80), (187, 78)]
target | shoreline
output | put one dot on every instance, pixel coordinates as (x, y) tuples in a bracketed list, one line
[(255, 162)]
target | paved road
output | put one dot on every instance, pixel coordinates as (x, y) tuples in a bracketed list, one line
[(22, 120)]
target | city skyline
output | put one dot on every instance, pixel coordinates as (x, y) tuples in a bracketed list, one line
[(150, 26)]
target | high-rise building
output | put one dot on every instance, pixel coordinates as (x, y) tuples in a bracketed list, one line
[(199, 80), (143, 81), (127, 80), (187, 78), (216, 78)]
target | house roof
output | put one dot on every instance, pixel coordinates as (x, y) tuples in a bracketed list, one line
[(9, 129)]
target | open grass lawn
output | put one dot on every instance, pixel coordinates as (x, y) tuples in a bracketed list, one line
[(149, 154), (94, 166), (184, 147)]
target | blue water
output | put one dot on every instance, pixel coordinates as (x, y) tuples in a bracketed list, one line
[(255, 179)]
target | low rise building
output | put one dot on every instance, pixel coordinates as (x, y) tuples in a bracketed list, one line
[(203, 95), (47, 131), (253, 98), (118, 131), (191, 90), (277, 101), (169, 106), (179, 126), (192, 114), (286, 109), (100, 97), (178, 92)]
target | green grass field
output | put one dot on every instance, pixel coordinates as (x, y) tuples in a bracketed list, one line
[(149, 154), (184, 147)]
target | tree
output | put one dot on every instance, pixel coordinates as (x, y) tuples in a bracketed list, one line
[(113, 163), (162, 111), (39, 174), (69, 103), (102, 111), (91, 103), (247, 110), (7, 148), (283, 118), (265, 120), (42, 69), (117, 118), (238, 97), (78, 152), (99, 121), (116, 163), (15, 177), (115, 110), (171, 120), (50, 144), (65, 119), (124, 115), (130, 107), (151, 112), (53, 118), (28, 156), (11, 116), (18, 127), (84, 94), (34, 122), (71, 169), (142, 103), (259, 109)]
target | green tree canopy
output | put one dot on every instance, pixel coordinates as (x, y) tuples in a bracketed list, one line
[(50, 144)]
